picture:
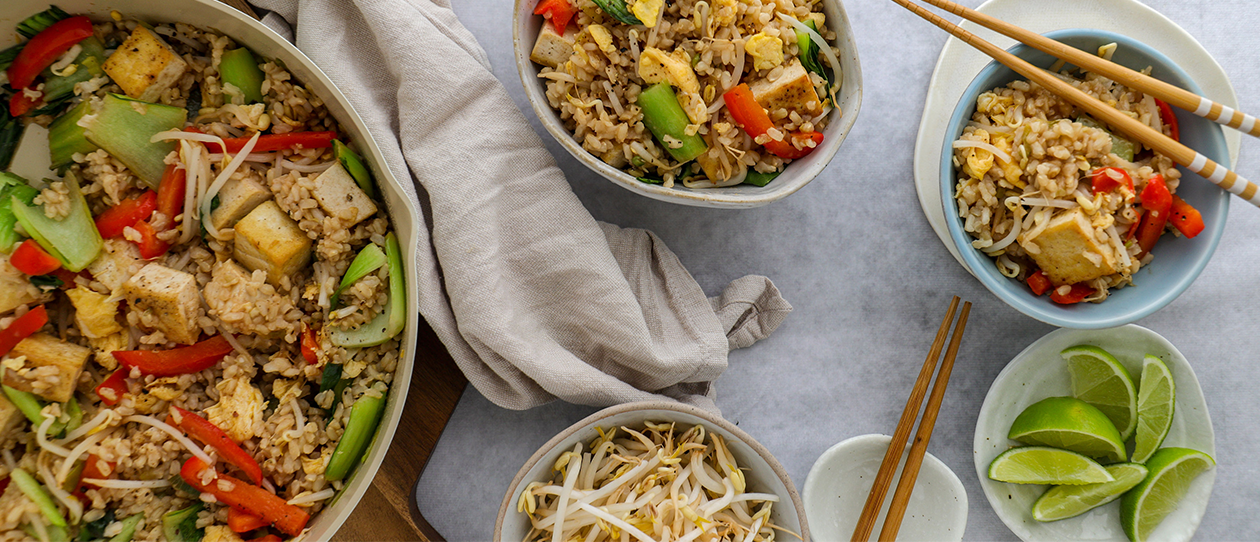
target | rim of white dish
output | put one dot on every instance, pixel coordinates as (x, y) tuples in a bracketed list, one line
[(945, 88), (804, 169), (548, 448), (838, 452)]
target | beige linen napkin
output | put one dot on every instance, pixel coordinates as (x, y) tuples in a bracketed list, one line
[(534, 299)]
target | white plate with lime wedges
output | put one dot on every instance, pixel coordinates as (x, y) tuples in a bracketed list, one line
[(1040, 372)]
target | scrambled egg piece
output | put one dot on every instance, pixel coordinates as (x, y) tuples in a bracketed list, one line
[(239, 412), (978, 160), (767, 51), (315, 465), (647, 11), (723, 12), (603, 38), (675, 68), (1010, 169), (103, 349), (95, 313), (285, 389), (220, 533)]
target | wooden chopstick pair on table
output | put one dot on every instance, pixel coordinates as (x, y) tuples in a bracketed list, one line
[(1183, 99), (910, 473)]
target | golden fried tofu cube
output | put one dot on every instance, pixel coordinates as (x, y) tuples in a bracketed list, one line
[(15, 290), (339, 196), (94, 313), (10, 419), (116, 263), (37, 358), (237, 198), (144, 66), (553, 49), (170, 296), (793, 90), (269, 240), (766, 50), (103, 349), (1062, 247)]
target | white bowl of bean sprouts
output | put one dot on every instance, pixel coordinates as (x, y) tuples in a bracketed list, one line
[(643, 468)]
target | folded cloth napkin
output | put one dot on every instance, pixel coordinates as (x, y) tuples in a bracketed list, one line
[(533, 298)]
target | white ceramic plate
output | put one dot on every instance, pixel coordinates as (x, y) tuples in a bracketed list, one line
[(959, 64), (841, 478), (1039, 372)]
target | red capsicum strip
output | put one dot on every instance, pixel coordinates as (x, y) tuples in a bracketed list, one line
[(753, 119), (114, 220), (266, 538), (150, 246), (92, 469), (20, 104), (275, 142), (1185, 218), (113, 388), (559, 12), (29, 258), (170, 194), (176, 361), (1102, 182), (1157, 201), (1170, 119), (24, 326), (310, 347), (240, 522), (43, 49), (1077, 294), (208, 433), (247, 498), (1039, 283)]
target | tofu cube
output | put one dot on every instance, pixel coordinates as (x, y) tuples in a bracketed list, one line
[(551, 48), (171, 297), (339, 196), (117, 263), (237, 198), (793, 90), (269, 240), (103, 349), (10, 419), (144, 66), (1062, 247), (45, 366), (15, 290), (94, 313)]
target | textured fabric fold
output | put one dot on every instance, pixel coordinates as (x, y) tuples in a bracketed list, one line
[(533, 298)]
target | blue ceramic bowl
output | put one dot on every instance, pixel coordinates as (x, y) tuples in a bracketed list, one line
[(1178, 261)]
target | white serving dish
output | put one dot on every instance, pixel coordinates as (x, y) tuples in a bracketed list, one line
[(403, 212), (762, 471), (841, 479), (800, 172), (1039, 372)]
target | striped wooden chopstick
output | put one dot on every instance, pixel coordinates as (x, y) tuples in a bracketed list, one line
[(910, 473), (1175, 96), (1181, 154)]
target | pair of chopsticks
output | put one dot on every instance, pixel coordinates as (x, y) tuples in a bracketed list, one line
[(910, 473), (1181, 154)]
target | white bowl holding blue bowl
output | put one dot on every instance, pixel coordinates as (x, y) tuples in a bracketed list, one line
[(1178, 261)]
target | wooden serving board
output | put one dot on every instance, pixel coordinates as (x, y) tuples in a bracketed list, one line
[(388, 510)]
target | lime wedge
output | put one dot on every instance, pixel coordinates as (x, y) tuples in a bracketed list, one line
[(1071, 424), (1044, 465), (1171, 471), (1156, 401), (1100, 380), (1062, 502)]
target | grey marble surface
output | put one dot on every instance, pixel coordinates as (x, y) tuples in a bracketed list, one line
[(869, 280)]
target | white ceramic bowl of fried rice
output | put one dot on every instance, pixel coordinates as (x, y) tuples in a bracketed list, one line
[(402, 212), (798, 173)]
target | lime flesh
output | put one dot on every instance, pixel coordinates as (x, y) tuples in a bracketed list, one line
[(1102, 381), (1156, 402), (1045, 465), (1071, 424), (1062, 502), (1171, 472)]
